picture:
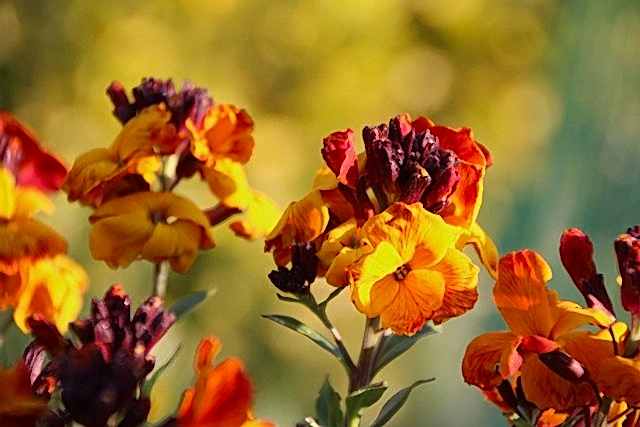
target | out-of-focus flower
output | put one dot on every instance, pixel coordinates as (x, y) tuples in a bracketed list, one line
[(628, 252), (52, 288), (260, 216), (102, 374), (226, 134), (540, 325), (21, 153), (222, 395), (153, 226), (415, 273), (19, 406)]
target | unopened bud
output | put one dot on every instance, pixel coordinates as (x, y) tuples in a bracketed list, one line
[(298, 278), (627, 248), (564, 365)]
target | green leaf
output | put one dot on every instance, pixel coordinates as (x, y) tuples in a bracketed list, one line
[(148, 384), (393, 405), (396, 345), (328, 410), (189, 302), (301, 328), (363, 398)]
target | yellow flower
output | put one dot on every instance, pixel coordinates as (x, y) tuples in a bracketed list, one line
[(19, 406), (151, 226), (301, 222), (53, 288), (415, 273), (226, 135), (22, 238), (129, 165)]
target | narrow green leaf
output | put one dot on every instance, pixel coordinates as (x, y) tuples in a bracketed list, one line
[(363, 398), (148, 384), (393, 405), (301, 328), (189, 302), (396, 345), (328, 410)]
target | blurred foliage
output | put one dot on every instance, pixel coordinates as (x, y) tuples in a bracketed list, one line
[(551, 87)]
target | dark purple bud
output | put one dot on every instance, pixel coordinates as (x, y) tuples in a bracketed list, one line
[(137, 413), (445, 178), (297, 279), (505, 390), (414, 183), (123, 110), (627, 248), (564, 365), (151, 322)]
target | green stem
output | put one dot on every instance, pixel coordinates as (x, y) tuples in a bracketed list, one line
[(5, 324), (368, 352), (160, 278)]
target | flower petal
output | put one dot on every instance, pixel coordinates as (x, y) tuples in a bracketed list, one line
[(484, 246), (490, 358)]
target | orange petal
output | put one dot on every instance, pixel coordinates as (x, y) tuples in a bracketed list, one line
[(207, 351), (490, 358), (619, 377), (461, 285), (548, 390), (521, 295), (484, 246)]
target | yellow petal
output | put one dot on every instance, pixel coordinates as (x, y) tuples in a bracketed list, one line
[(484, 246), (461, 285), (7, 194), (141, 132), (228, 182), (259, 219), (31, 201), (383, 261)]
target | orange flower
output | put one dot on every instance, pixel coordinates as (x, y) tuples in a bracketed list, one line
[(52, 288), (22, 155), (22, 238), (415, 273), (19, 407), (151, 226), (226, 134), (539, 323), (222, 394), (128, 166)]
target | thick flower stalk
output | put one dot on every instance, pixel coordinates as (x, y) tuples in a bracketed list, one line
[(390, 224), (36, 277), (547, 369), (168, 135)]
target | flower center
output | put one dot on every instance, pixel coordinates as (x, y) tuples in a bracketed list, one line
[(402, 272)]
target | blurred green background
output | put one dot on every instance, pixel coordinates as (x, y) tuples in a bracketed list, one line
[(551, 87)]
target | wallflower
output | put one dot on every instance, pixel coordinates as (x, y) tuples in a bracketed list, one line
[(22, 238), (102, 373), (222, 394), (543, 341), (19, 406), (153, 226), (21, 154), (415, 273), (52, 288)]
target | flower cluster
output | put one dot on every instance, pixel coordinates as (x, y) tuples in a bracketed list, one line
[(547, 369), (35, 274), (390, 223), (167, 135)]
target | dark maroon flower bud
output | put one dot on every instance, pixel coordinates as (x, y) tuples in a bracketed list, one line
[(576, 254), (505, 390), (627, 248), (297, 279), (444, 172), (564, 365), (414, 183), (136, 413), (123, 110), (191, 102), (339, 154), (101, 374)]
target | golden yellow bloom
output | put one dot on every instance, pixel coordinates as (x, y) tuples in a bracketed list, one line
[(53, 288), (22, 238), (227, 134), (415, 273), (151, 226), (301, 222), (129, 165), (19, 406)]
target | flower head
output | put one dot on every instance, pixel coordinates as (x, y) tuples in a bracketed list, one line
[(21, 154), (222, 394), (414, 273), (543, 347), (102, 374), (152, 226)]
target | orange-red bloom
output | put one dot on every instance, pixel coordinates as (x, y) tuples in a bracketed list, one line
[(539, 324), (222, 395), (22, 155), (19, 406)]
